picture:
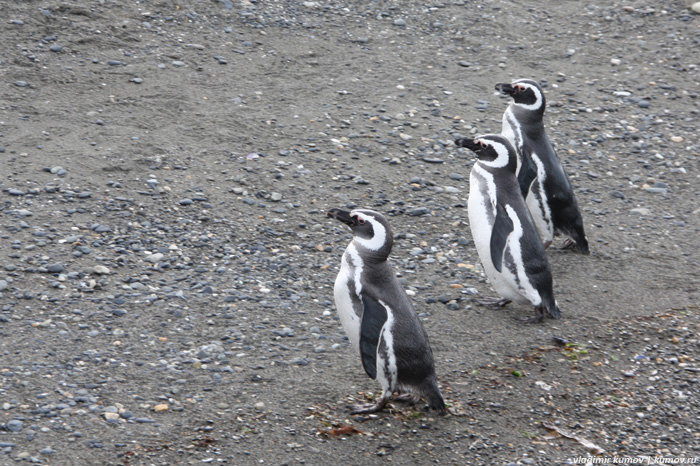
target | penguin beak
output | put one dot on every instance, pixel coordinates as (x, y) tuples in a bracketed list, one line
[(505, 88), (469, 144), (343, 216)]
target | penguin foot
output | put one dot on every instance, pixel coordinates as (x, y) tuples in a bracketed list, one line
[(369, 407), (409, 398), (571, 244), (538, 319), (497, 302)]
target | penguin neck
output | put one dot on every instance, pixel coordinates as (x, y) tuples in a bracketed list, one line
[(372, 256), (529, 120)]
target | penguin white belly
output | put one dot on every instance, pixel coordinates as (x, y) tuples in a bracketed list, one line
[(537, 203), (345, 292), (482, 215), (481, 212)]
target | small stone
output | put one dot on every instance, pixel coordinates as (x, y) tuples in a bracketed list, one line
[(136, 80), (15, 192), (643, 103), (3, 285), (160, 408), (47, 451), (178, 63), (55, 268), (21, 83), (153, 258), (100, 270), (186, 201), (464, 64), (275, 197), (111, 416), (615, 61), (399, 22), (677, 138), (418, 212), (643, 211), (56, 48), (695, 7), (14, 426)]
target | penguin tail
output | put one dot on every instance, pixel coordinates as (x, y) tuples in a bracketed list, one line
[(552, 310), (582, 245), (431, 393)]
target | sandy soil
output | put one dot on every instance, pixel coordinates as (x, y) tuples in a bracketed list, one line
[(166, 268)]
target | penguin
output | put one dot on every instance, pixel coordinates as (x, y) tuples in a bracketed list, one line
[(543, 181), (378, 317), (505, 236)]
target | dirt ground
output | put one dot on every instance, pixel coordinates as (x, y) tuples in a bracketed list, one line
[(166, 267)]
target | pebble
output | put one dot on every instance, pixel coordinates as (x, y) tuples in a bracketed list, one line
[(399, 22), (153, 258), (641, 211), (14, 426), (15, 192), (101, 270), (178, 63), (55, 268), (56, 48), (418, 212), (695, 7), (3, 285), (58, 170), (21, 83), (275, 197), (186, 201)]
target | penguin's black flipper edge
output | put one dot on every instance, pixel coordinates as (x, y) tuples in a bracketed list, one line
[(502, 228), (374, 317), (527, 173)]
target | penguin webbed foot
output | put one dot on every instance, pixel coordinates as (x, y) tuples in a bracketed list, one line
[(571, 244), (368, 408), (496, 302), (409, 398), (537, 319)]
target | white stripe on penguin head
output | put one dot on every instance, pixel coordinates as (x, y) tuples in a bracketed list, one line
[(538, 95), (377, 241), (502, 151)]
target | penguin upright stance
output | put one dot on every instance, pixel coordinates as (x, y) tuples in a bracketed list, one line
[(543, 181), (378, 317), (505, 236)]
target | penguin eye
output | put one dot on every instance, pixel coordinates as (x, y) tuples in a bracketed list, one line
[(360, 220)]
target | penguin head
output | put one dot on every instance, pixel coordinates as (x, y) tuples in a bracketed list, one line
[(370, 229), (526, 94), (492, 150)]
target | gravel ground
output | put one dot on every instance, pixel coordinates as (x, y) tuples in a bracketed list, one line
[(166, 267)]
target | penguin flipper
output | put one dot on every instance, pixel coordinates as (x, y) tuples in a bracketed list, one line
[(374, 317), (502, 228), (527, 173)]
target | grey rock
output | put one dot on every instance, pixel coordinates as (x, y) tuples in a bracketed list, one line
[(55, 268), (14, 426)]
